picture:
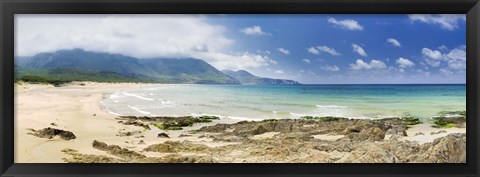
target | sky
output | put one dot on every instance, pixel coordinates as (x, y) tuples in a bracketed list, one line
[(311, 49)]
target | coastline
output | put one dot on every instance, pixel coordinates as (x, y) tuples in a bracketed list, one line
[(77, 109)]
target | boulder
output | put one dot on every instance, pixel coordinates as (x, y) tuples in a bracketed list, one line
[(163, 135)]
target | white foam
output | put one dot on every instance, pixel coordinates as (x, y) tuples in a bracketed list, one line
[(297, 115), (116, 95), (166, 102), (137, 96), (243, 118), (141, 111), (114, 113), (331, 106)]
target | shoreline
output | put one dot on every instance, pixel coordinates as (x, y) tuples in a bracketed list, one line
[(78, 109)]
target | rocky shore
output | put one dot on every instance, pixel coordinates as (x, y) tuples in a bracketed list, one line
[(308, 140)]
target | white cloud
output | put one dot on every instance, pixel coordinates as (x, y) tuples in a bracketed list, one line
[(457, 65), (333, 68), (317, 49), (457, 54), (141, 36), (254, 31), (445, 71), (443, 48), (361, 65), (455, 59), (346, 24), (404, 63), (306, 60), (446, 21), (236, 62), (313, 50), (394, 42), (284, 51), (329, 50), (359, 50), (432, 54), (279, 72)]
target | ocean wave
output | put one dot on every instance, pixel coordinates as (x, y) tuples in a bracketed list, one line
[(166, 103), (331, 106), (117, 95), (141, 111), (114, 113), (243, 118), (137, 96)]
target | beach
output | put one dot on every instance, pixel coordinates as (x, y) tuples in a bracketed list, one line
[(77, 107)]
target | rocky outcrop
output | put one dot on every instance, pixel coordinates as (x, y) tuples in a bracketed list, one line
[(163, 135), (360, 141), (52, 132), (117, 150), (448, 149)]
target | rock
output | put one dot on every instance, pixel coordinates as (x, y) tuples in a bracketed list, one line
[(94, 114), (53, 124), (441, 131), (370, 134), (162, 135), (117, 150), (419, 133), (174, 146), (351, 129), (397, 130), (134, 123), (99, 145), (448, 149), (184, 135), (215, 128), (449, 121), (52, 132), (128, 133), (141, 142)]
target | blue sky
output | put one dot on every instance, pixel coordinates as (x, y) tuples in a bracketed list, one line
[(324, 49)]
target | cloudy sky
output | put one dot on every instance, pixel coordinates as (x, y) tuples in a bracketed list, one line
[(321, 49)]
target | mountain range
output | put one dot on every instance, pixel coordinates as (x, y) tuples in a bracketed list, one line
[(246, 78), (78, 64)]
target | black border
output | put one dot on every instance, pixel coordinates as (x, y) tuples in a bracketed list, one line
[(10, 7)]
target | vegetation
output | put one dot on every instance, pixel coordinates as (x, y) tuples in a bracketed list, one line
[(180, 123), (325, 118), (410, 120), (167, 126), (68, 75), (449, 119), (406, 120), (270, 120), (41, 80)]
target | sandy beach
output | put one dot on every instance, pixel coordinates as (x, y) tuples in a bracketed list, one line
[(76, 108)]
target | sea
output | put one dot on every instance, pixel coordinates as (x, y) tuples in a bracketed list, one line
[(257, 102)]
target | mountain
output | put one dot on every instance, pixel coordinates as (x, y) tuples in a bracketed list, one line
[(247, 78), (90, 61), (188, 70), (78, 64)]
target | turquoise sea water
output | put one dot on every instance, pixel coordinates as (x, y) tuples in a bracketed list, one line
[(288, 101)]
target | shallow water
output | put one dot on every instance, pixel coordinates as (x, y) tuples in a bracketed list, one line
[(288, 101)]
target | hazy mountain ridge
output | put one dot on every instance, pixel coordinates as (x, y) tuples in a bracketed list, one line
[(78, 64), (247, 78)]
